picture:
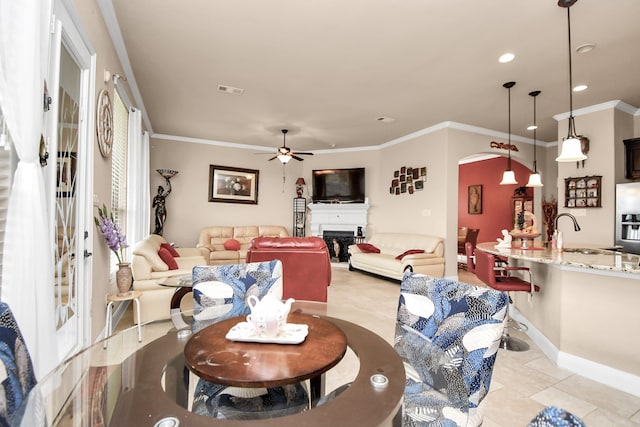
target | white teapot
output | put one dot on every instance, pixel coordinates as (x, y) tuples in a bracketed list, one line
[(269, 315)]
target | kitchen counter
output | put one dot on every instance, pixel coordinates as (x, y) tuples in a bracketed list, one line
[(585, 257), (585, 317)]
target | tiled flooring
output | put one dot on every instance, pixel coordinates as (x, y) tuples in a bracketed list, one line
[(523, 383)]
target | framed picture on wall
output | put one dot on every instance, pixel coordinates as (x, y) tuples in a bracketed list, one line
[(233, 185), (475, 199)]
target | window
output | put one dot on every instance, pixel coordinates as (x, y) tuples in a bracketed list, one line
[(119, 166)]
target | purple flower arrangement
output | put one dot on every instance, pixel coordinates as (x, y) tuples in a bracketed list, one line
[(111, 233)]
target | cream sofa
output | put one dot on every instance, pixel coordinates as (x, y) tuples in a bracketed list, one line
[(431, 262), (149, 270), (212, 239)]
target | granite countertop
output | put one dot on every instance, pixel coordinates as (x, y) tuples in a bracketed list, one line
[(585, 257)]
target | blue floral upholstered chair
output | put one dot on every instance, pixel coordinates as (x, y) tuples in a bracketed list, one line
[(20, 377), (447, 334), (552, 416), (220, 292)]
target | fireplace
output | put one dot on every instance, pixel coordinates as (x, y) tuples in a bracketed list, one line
[(338, 242)]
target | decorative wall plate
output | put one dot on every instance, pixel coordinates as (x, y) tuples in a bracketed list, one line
[(104, 123)]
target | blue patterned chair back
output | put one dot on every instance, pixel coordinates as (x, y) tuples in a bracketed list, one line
[(447, 334), (552, 416), (20, 378), (221, 291)]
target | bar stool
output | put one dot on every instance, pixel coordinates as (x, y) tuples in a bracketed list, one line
[(486, 271), (131, 295)]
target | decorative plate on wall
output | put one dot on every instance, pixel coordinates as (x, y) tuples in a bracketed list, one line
[(104, 123)]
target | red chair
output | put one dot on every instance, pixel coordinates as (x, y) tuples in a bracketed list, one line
[(485, 265), (306, 264)]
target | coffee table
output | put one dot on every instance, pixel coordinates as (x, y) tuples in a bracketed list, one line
[(183, 285), (211, 356)]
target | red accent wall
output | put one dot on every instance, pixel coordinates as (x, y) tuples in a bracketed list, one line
[(496, 199)]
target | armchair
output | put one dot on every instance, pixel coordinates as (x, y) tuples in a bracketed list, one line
[(220, 292), (447, 334)]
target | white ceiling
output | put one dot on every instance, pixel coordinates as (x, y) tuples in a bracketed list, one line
[(327, 69)]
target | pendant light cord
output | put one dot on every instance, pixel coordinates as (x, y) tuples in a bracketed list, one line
[(509, 160), (572, 126), (535, 128)]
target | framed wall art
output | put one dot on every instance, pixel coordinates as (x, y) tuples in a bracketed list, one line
[(233, 185), (475, 199)]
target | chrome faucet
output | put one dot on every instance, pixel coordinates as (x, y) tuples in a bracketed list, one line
[(576, 227)]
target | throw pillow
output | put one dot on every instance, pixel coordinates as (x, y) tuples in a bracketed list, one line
[(409, 252), (167, 258), (232, 245), (368, 248), (171, 249)]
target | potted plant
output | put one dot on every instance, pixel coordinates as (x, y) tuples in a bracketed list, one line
[(117, 242)]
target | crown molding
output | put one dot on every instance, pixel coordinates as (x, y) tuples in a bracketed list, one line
[(609, 105)]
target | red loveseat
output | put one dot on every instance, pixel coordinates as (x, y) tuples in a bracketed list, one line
[(306, 264)]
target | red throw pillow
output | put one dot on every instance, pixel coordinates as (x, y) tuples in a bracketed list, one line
[(171, 249), (232, 245), (168, 259), (368, 248), (409, 252)]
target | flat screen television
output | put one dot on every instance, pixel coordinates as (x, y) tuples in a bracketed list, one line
[(338, 185)]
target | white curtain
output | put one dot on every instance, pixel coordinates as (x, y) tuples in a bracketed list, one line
[(28, 262), (138, 197)]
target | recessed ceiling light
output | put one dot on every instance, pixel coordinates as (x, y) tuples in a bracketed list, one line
[(580, 88), (506, 57), (532, 127), (584, 48), (386, 119)]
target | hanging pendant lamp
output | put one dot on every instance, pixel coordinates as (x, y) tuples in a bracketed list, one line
[(534, 179), (571, 146), (508, 177)]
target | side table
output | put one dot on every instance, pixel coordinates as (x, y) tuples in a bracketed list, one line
[(131, 295)]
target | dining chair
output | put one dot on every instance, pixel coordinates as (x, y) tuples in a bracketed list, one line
[(486, 271), (18, 368), (220, 292), (447, 334)]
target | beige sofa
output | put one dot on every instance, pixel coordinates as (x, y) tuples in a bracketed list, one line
[(212, 239), (431, 262), (149, 270)]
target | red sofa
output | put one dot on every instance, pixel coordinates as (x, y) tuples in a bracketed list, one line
[(306, 264)]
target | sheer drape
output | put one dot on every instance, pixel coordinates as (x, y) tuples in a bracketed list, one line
[(28, 267), (138, 197)]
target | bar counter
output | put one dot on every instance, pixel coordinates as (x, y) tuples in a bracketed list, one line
[(586, 316)]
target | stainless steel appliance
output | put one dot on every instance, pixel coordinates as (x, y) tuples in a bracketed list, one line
[(628, 216)]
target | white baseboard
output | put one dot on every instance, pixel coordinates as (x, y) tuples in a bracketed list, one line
[(621, 380)]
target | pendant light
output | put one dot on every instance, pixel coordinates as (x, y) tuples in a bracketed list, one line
[(534, 178), (508, 177), (571, 146)]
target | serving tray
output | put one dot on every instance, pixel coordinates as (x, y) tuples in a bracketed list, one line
[(291, 333)]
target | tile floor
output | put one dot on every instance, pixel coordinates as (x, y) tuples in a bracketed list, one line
[(523, 383)]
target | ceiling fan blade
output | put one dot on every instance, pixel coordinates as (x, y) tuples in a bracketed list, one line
[(296, 157), (302, 153), (273, 158)]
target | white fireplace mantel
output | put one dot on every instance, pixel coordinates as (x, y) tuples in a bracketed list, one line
[(338, 217)]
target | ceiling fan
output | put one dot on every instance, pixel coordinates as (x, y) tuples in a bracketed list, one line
[(285, 154)]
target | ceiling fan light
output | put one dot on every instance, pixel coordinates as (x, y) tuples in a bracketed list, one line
[(508, 178), (284, 158), (535, 180), (571, 151)]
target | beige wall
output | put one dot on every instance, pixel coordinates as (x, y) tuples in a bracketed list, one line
[(606, 129), (188, 208), (106, 59)]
